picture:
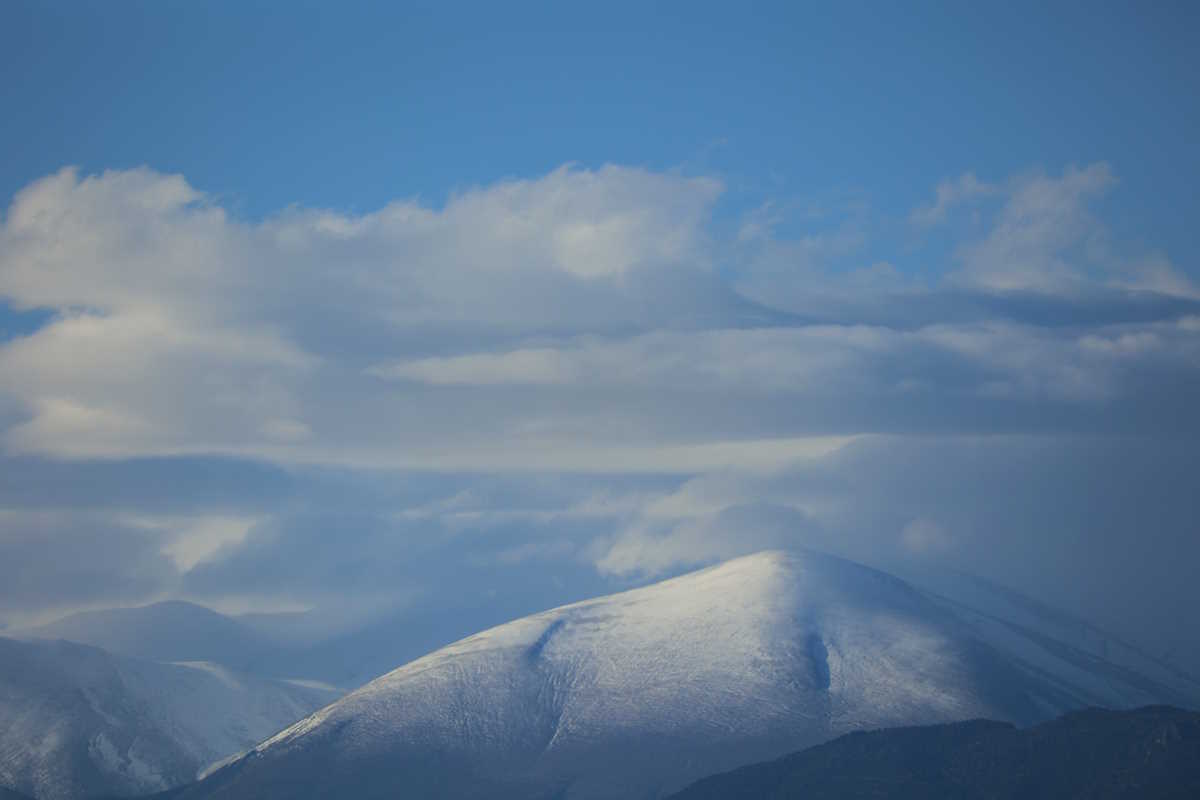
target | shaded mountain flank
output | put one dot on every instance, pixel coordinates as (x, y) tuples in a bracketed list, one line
[(1151, 752)]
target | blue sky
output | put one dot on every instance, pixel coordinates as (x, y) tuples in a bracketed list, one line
[(303, 307), (353, 107)]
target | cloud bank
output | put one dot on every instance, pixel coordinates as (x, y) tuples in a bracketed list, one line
[(584, 379)]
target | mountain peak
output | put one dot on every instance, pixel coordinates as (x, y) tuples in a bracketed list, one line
[(638, 693), (170, 630)]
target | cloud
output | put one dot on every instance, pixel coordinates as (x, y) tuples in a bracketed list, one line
[(573, 321), (1045, 235), (527, 366), (175, 486), (198, 538), (470, 564), (949, 194), (1094, 524), (649, 548), (578, 381), (56, 560), (778, 372), (178, 330), (924, 536), (142, 383)]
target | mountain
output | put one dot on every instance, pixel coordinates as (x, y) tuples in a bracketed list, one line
[(271, 645), (1001, 614), (168, 631), (1146, 753), (77, 721), (274, 645), (351, 657), (637, 694)]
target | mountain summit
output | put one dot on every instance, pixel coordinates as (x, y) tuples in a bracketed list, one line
[(637, 694)]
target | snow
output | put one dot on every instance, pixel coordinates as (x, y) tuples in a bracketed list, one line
[(631, 695), (76, 721), (1119, 674), (306, 683), (129, 764), (639, 693)]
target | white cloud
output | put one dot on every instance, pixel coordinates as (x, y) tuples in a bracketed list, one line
[(951, 193), (587, 321), (577, 321), (193, 538), (1028, 361), (577, 454), (143, 382), (1045, 236), (650, 549), (529, 366), (181, 330), (1157, 274)]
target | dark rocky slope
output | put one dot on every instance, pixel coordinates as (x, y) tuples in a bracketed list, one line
[(1151, 752)]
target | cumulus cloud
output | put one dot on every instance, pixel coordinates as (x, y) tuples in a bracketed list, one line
[(179, 330)]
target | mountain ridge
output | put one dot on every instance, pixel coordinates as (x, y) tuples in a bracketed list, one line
[(77, 721), (636, 694), (166, 631), (1152, 751)]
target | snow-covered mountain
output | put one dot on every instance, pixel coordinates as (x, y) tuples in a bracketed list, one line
[(637, 694), (1065, 644), (168, 631), (77, 721), (289, 645)]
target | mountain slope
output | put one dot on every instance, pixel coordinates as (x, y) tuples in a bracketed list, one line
[(636, 694), (1149, 752), (77, 721), (167, 631), (1002, 615)]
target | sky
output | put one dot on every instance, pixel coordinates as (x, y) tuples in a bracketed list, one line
[(370, 310)]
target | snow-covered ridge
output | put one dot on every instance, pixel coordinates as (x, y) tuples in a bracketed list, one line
[(1008, 614), (638, 693), (77, 721)]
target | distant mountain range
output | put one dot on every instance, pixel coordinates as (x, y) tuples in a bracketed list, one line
[(631, 695), (267, 645), (168, 631), (77, 721), (636, 695), (1145, 753)]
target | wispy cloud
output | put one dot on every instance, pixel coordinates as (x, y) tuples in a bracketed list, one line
[(951, 194)]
